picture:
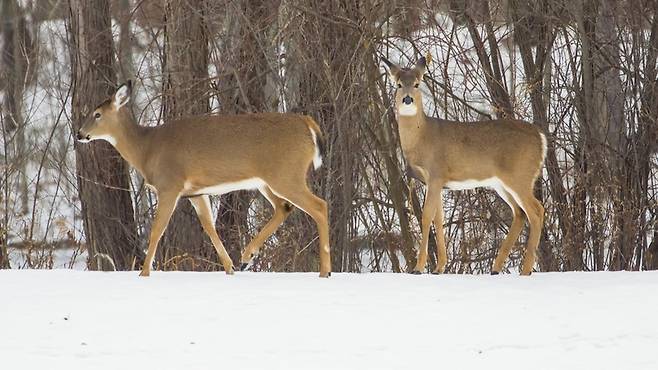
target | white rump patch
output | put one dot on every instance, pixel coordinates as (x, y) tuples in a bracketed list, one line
[(407, 109), (317, 158), (248, 184), (544, 150)]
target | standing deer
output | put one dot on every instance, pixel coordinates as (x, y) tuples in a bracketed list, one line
[(506, 155), (198, 156)]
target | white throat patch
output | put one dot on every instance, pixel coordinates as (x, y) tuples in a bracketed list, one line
[(109, 138), (407, 109)]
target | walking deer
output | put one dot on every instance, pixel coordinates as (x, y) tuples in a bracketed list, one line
[(195, 157), (506, 155)]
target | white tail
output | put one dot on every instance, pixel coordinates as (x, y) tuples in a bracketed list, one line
[(317, 157), (506, 155), (198, 156)]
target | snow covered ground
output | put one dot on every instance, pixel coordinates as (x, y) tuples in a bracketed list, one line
[(64, 319)]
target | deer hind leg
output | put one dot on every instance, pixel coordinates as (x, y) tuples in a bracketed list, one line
[(512, 234), (432, 200), (202, 206), (300, 195), (535, 213), (281, 211), (166, 206)]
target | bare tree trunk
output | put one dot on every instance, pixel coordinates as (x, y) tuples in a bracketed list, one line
[(185, 93), (103, 181), (644, 141), (125, 52), (253, 40), (326, 94), (591, 172), (527, 31), (600, 108), (609, 109), (489, 62), (14, 72)]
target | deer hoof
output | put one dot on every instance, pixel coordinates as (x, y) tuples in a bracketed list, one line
[(495, 272), (415, 272), (325, 274), (243, 266)]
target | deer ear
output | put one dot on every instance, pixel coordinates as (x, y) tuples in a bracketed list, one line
[(421, 66), (122, 96), (393, 69)]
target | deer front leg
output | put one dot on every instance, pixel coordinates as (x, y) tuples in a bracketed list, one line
[(441, 253), (429, 211), (166, 206)]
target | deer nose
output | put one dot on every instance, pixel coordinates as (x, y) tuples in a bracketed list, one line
[(80, 136), (408, 100)]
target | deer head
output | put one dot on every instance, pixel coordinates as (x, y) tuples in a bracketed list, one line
[(106, 118), (408, 99)]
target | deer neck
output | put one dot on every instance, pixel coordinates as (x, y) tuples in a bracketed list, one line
[(411, 129), (131, 142)]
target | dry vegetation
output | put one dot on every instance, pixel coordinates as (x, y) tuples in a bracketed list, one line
[(585, 71)]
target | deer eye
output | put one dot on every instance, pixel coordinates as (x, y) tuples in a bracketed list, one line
[(416, 85), (97, 115), (399, 86)]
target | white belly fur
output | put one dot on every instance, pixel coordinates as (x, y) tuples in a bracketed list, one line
[(492, 182), (505, 192), (248, 184)]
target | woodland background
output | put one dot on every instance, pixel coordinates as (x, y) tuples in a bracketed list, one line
[(583, 70)]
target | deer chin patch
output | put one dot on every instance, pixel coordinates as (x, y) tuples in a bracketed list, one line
[(407, 109)]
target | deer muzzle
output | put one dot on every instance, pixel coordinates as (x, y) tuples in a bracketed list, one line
[(83, 138)]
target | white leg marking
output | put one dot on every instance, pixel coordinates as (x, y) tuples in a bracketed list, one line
[(264, 193), (516, 197), (502, 193)]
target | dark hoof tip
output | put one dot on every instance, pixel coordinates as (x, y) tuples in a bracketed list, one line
[(495, 272), (243, 266), (415, 272), (436, 273), (329, 274)]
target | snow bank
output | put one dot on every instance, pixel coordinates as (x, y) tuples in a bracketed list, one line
[(64, 319)]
